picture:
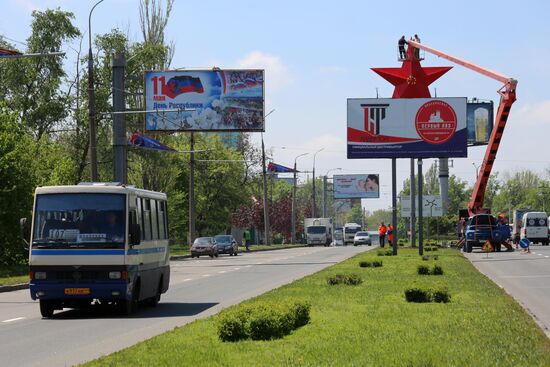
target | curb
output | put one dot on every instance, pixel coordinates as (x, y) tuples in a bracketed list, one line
[(16, 287)]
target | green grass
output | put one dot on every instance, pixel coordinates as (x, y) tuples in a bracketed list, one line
[(14, 274), (370, 324)]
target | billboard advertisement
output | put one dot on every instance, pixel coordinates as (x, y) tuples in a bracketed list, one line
[(407, 127), (356, 186), (204, 100), (479, 117), (432, 206)]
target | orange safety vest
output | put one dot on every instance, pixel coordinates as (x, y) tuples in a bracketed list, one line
[(390, 233), (382, 230)]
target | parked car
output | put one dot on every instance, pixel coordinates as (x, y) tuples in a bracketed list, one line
[(362, 238), (204, 246), (227, 245)]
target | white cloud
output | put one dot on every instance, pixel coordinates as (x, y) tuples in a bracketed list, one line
[(334, 69), (533, 114), (27, 5), (277, 74)]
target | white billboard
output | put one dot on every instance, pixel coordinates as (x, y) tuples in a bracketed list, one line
[(356, 186), (407, 127), (432, 206)]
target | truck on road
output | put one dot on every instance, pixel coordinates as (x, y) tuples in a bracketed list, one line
[(350, 229), (318, 231)]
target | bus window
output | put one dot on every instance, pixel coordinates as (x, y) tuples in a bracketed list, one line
[(146, 218), (162, 220), (154, 220)]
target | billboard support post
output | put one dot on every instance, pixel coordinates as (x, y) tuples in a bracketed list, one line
[(191, 189), (120, 162), (413, 207), (394, 203), (420, 207), (324, 196), (266, 209), (444, 182)]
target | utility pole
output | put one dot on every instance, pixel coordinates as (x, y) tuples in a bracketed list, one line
[(120, 162), (420, 207), (413, 206), (91, 101), (394, 203), (324, 196), (444, 182), (191, 236), (314, 207), (266, 208), (293, 214)]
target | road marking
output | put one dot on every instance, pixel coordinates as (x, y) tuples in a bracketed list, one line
[(12, 320), (237, 269), (221, 272), (188, 279), (206, 275), (539, 254), (546, 256), (525, 276)]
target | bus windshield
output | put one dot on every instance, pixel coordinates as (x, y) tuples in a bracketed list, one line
[(79, 220), (316, 230)]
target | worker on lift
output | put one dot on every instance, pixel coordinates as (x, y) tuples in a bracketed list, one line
[(401, 43)]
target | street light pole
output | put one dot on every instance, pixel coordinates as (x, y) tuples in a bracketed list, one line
[(325, 178), (314, 207), (293, 214), (91, 101), (477, 169)]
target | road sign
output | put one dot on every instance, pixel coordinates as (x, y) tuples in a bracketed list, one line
[(432, 206), (487, 247), (524, 243)]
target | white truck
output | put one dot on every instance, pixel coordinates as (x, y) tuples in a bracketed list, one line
[(318, 231), (350, 229), (534, 226)]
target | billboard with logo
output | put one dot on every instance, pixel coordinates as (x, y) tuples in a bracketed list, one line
[(204, 100), (407, 127), (479, 117), (432, 206), (356, 186)]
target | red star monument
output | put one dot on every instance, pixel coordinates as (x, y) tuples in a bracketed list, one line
[(411, 80)]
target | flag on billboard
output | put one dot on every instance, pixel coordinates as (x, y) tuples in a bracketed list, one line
[(182, 84), (142, 141), (6, 52), (273, 167)]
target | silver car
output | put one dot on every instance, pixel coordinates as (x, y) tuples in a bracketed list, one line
[(362, 238), (204, 246)]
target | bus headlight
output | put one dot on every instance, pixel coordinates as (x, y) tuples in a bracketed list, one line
[(115, 275), (39, 275)]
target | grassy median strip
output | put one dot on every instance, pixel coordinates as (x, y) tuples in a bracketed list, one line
[(14, 274), (370, 324), (179, 250)]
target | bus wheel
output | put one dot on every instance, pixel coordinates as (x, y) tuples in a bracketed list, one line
[(46, 308), (127, 306), (154, 301)]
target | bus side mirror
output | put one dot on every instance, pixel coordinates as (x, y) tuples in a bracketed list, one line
[(135, 234), (25, 231)]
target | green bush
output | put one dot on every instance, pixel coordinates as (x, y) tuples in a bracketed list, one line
[(348, 279), (365, 264), (377, 264), (262, 321), (423, 270), (441, 296), (388, 252), (436, 257), (425, 257), (417, 295), (437, 270), (402, 242)]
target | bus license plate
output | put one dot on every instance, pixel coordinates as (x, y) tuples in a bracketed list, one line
[(77, 291)]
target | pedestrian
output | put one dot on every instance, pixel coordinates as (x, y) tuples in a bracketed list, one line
[(247, 238), (390, 235), (416, 50), (382, 233), (401, 43)]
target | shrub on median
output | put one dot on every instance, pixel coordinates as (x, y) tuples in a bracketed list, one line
[(370, 264), (348, 279), (262, 321), (418, 295)]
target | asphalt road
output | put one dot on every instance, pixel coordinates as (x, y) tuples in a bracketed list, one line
[(526, 277), (198, 288)]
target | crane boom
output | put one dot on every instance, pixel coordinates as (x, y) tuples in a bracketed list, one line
[(507, 97)]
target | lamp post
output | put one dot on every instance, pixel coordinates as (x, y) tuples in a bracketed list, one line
[(91, 100), (314, 207), (293, 214), (477, 169), (325, 178)]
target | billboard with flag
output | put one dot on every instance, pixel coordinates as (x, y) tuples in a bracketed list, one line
[(204, 100), (407, 127)]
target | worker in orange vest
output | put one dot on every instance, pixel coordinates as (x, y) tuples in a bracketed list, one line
[(382, 233), (390, 235)]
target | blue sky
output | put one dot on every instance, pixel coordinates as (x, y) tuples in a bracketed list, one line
[(319, 53)]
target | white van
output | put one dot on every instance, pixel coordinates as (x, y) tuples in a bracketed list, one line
[(534, 227)]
